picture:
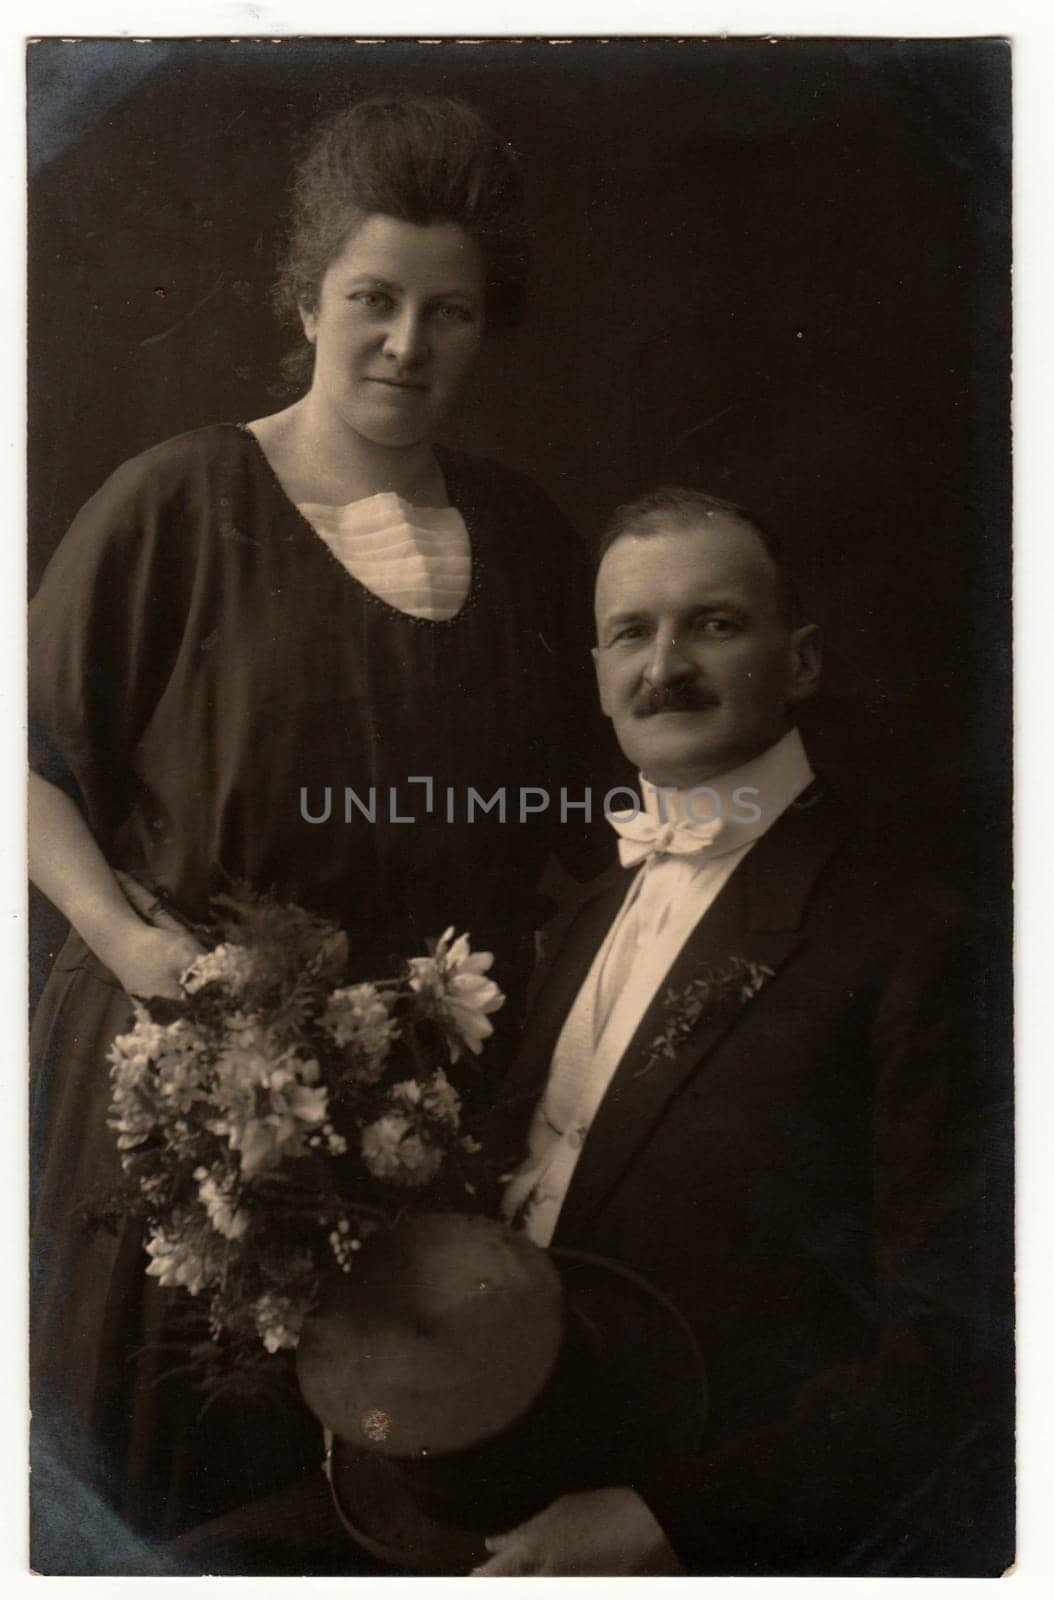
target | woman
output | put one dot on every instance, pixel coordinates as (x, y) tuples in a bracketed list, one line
[(259, 651)]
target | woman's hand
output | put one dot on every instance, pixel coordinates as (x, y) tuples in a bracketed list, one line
[(149, 961), (66, 864)]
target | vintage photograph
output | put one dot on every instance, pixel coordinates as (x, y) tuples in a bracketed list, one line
[(520, 807)]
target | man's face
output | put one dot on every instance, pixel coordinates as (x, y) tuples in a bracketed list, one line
[(697, 666)]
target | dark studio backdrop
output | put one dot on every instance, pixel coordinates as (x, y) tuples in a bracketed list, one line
[(776, 270)]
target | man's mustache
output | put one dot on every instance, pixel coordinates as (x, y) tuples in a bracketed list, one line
[(677, 696)]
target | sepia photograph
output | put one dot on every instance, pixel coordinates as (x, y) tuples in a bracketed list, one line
[(520, 807)]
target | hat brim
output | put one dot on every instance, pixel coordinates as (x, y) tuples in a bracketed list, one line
[(647, 1406)]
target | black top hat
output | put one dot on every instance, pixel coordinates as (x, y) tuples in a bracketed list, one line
[(458, 1410)]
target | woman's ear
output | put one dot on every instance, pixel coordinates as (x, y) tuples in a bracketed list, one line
[(308, 321)]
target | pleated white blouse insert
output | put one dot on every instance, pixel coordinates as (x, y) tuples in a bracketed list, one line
[(417, 559)]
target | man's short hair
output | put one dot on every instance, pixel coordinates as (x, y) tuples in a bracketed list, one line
[(684, 510)]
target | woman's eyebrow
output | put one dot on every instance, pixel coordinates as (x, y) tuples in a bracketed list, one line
[(370, 280)]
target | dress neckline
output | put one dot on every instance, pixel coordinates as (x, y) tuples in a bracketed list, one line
[(408, 507), (312, 535)]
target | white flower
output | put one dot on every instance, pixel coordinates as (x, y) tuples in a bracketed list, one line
[(269, 1102), (229, 964), (180, 1256), (278, 1321), (217, 1198), (436, 1099), (399, 1147), (357, 1017), (132, 1054), (156, 1074), (395, 1151), (454, 980), (180, 1068)]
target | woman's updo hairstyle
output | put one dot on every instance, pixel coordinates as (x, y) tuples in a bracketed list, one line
[(420, 160)]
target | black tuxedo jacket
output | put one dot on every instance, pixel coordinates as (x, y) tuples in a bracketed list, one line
[(818, 1179)]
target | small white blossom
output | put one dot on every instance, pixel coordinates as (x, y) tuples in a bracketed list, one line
[(344, 1244), (180, 1257), (229, 964), (279, 1321), (269, 1102), (180, 1068), (437, 1098), (394, 1151), (217, 1199), (132, 1054), (156, 1072)]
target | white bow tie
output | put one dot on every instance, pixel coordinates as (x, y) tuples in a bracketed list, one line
[(641, 836)]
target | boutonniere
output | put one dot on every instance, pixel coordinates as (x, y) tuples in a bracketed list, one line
[(718, 991)]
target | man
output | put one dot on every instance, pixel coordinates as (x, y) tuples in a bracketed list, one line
[(760, 1072)]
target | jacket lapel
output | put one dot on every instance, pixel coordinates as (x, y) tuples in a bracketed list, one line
[(759, 916)]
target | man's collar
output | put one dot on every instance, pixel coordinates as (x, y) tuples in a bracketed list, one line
[(749, 799)]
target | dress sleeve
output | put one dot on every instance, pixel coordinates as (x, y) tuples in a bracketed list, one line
[(104, 629)]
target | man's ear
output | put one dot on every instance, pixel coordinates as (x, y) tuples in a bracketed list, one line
[(806, 663), (595, 653)]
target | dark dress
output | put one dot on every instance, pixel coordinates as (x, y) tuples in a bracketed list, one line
[(203, 674)]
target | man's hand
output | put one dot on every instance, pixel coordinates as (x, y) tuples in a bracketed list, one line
[(600, 1533)]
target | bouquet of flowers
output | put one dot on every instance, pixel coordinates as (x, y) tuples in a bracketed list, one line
[(274, 1116)]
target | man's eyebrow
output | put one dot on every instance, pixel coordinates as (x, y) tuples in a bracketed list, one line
[(730, 608), (701, 608), (618, 617)]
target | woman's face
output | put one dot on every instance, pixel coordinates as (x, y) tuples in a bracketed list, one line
[(398, 324)]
